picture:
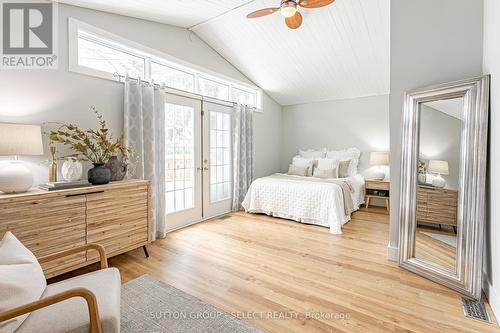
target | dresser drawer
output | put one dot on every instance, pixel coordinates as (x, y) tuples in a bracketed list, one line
[(117, 219), (377, 185), (46, 226)]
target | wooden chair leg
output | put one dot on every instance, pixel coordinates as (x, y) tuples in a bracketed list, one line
[(367, 202), (387, 204)]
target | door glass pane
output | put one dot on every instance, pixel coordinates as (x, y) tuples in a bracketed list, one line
[(172, 77), (103, 58), (214, 89), (220, 160), (179, 150)]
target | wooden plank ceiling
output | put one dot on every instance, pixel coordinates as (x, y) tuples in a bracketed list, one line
[(341, 51)]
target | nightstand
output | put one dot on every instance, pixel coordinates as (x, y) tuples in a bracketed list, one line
[(377, 189)]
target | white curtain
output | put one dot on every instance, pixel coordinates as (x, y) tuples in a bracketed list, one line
[(144, 128), (242, 153)]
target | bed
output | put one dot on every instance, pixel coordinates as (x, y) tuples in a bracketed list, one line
[(324, 202)]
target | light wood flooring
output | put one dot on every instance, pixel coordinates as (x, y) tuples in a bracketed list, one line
[(267, 266), (433, 250)]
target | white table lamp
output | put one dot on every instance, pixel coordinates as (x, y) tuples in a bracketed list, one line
[(18, 139), (438, 167), (379, 158)]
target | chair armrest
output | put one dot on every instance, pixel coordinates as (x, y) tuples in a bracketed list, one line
[(95, 321), (91, 246)]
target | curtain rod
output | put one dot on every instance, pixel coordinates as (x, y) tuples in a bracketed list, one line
[(163, 86)]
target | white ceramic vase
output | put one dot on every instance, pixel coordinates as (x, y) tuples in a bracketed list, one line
[(72, 170)]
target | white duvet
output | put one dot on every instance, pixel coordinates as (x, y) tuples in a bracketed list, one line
[(301, 199)]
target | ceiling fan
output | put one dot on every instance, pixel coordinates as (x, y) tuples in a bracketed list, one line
[(288, 9)]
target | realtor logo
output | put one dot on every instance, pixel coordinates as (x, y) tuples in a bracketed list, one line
[(28, 35)]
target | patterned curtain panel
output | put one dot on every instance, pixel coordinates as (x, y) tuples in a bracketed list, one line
[(144, 128), (242, 153)]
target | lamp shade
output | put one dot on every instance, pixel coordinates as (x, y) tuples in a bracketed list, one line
[(379, 158), (438, 166), (20, 139)]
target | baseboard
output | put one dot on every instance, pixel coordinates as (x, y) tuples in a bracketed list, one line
[(492, 295), (392, 253)]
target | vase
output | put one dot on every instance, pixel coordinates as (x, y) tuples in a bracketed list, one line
[(72, 170), (422, 178), (53, 165), (118, 168), (99, 174)]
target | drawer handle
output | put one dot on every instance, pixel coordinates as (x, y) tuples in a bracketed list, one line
[(80, 194)]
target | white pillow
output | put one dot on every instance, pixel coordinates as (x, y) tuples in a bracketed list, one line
[(310, 153), (297, 170), (345, 155), (21, 279), (328, 164), (330, 173), (305, 162)]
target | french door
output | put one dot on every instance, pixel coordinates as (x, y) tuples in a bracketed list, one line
[(198, 160), (217, 159)]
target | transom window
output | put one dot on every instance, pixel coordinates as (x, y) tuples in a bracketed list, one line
[(99, 53)]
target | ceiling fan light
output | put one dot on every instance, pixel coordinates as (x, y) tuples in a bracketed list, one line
[(288, 9)]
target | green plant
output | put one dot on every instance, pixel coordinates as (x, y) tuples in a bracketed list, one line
[(96, 146)]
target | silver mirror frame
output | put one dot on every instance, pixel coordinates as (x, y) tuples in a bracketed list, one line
[(467, 278)]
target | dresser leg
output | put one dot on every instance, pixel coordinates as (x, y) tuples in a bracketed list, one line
[(146, 253), (455, 229)]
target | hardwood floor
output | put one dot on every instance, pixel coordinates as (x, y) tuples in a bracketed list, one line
[(434, 250), (263, 266)]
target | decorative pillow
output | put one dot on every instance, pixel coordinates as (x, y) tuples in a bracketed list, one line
[(312, 153), (305, 162), (330, 173), (345, 155), (344, 168), (297, 170), (22, 280), (327, 164)]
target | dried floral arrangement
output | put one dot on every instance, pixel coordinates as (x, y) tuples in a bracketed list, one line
[(95, 146)]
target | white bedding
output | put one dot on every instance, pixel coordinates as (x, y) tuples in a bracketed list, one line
[(303, 199)]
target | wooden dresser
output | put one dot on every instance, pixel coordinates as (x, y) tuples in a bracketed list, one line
[(116, 215), (437, 205)]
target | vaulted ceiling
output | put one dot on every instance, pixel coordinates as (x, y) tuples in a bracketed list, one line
[(340, 51)]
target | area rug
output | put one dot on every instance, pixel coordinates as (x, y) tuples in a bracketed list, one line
[(149, 305)]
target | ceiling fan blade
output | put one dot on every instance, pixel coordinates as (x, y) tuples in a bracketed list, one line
[(315, 3), (295, 21), (262, 12)]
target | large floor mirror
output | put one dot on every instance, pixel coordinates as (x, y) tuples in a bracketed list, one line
[(442, 209)]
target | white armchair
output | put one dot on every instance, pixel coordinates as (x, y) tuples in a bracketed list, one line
[(86, 303)]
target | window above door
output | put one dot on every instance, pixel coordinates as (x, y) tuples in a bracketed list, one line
[(98, 53)]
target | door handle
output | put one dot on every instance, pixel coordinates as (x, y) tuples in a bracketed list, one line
[(205, 168)]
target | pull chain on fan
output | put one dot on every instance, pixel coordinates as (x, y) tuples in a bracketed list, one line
[(288, 9)]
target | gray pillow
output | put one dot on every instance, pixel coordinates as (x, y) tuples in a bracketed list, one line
[(330, 173), (297, 170), (343, 168)]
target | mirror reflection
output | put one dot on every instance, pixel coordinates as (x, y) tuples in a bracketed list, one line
[(438, 177)]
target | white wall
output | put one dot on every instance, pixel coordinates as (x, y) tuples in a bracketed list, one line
[(39, 96), (431, 42), (491, 65), (360, 122)]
